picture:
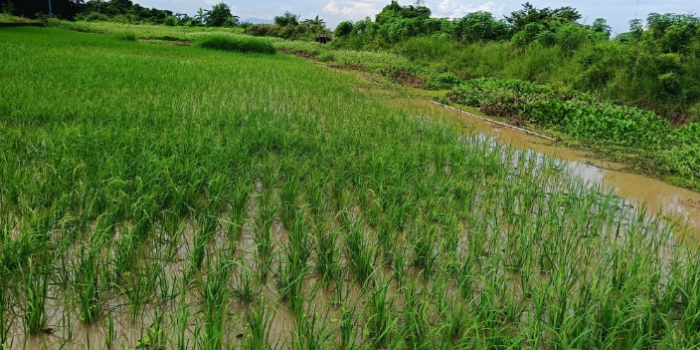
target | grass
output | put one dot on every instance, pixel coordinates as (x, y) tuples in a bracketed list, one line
[(161, 187), (5, 18), (244, 45)]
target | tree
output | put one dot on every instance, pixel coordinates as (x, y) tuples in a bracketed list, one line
[(315, 25), (8, 8), (171, 21), (117, 7), (344, 29), (481, 26), (395, 11), (600, 25), (201, 16), (287, 19), (220, 15), (546, 16)]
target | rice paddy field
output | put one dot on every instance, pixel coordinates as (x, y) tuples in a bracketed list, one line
[(171, 197)]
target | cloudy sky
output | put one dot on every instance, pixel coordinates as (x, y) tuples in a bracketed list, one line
[(617, 12)]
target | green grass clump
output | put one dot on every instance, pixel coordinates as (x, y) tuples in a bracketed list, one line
[(127, 36), (237, 44)]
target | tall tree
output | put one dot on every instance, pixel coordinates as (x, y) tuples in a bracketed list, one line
[(286, 19), (220, 15)]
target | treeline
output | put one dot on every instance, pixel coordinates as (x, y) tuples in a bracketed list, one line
[(656, 65), (125, 11), (35, 8), (288, 26), (122, 11)]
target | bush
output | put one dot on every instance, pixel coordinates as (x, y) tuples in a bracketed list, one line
[(344, 29), (237, 44), (94, 16), (443, 81), (258, 29), (682, 163), (220, 16), (170, 21), (577, 114)]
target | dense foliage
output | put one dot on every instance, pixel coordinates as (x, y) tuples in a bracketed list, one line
[(654, 68), (289, 27), (675, 151)]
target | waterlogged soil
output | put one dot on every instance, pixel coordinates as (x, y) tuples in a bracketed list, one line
[(674, 202), (64, 329)]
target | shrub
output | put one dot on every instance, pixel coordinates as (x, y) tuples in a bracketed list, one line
[(287, 19), (170, 21), (94, 16), (682, 162), (344, 29), (238, 44), (577, 114), (443, 81), (258, 29)]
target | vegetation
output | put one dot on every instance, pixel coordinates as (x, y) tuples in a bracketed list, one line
[(239, 44), (653, 69), (289, 27), (588, 120), (218, 200)]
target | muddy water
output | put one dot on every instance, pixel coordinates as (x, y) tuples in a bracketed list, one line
[(674, 202), (68, 332)]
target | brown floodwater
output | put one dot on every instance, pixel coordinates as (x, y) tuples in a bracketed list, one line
[(674, 202)]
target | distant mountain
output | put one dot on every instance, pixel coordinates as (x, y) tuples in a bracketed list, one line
[(257, 21)]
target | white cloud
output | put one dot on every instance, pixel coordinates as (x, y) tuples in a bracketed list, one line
[(351, 9), (451, 9), (331, 8)]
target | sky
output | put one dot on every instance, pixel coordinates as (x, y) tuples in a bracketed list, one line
[(617, 12)]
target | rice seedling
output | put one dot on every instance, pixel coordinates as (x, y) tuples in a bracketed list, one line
[(34, 288), (327, 253), (263, 233), (243, 288), (312, 331), (259, 324), (6, 319), (154, 181), (348, 326), (215, 300)]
